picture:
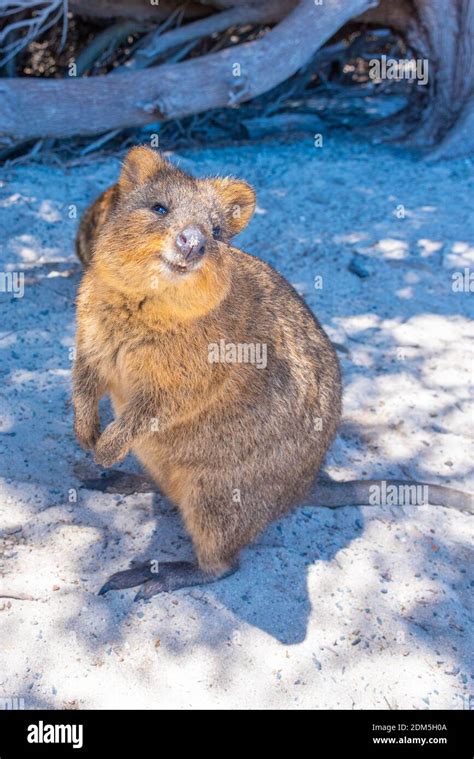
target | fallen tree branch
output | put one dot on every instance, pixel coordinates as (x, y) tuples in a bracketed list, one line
[(143, 60), (113, 35), (226, 78), (159, 43)]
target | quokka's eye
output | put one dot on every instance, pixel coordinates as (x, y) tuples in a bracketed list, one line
[(160, 210), (216, 232)]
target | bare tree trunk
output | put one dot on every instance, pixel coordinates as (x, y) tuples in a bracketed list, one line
[(448, 122), (441, 31)]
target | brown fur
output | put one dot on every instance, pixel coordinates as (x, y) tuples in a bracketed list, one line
[(234, 446), (92, 221)]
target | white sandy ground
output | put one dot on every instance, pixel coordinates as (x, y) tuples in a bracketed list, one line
[(353, 608)]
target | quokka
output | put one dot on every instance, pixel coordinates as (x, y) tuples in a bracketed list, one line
[(233, 444)]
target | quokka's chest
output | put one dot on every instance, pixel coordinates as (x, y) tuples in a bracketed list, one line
[(173, 360)]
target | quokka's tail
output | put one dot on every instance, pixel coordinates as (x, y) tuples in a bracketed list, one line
[(332, 494)]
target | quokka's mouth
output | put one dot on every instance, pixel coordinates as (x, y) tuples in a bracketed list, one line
[(181, 268)]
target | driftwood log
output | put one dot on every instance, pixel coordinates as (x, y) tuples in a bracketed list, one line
[(441, 31)]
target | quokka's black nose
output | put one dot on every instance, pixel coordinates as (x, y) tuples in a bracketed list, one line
[(191, 243)]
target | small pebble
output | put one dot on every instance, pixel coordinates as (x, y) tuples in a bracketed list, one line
[(357, 266)]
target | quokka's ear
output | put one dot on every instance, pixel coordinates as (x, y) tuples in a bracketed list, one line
[(140, 165), (238, 199)]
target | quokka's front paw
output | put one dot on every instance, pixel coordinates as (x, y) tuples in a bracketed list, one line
[(87, 430), (110, 447)]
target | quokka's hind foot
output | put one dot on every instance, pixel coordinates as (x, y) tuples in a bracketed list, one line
[(163, 577), (128, 578)]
